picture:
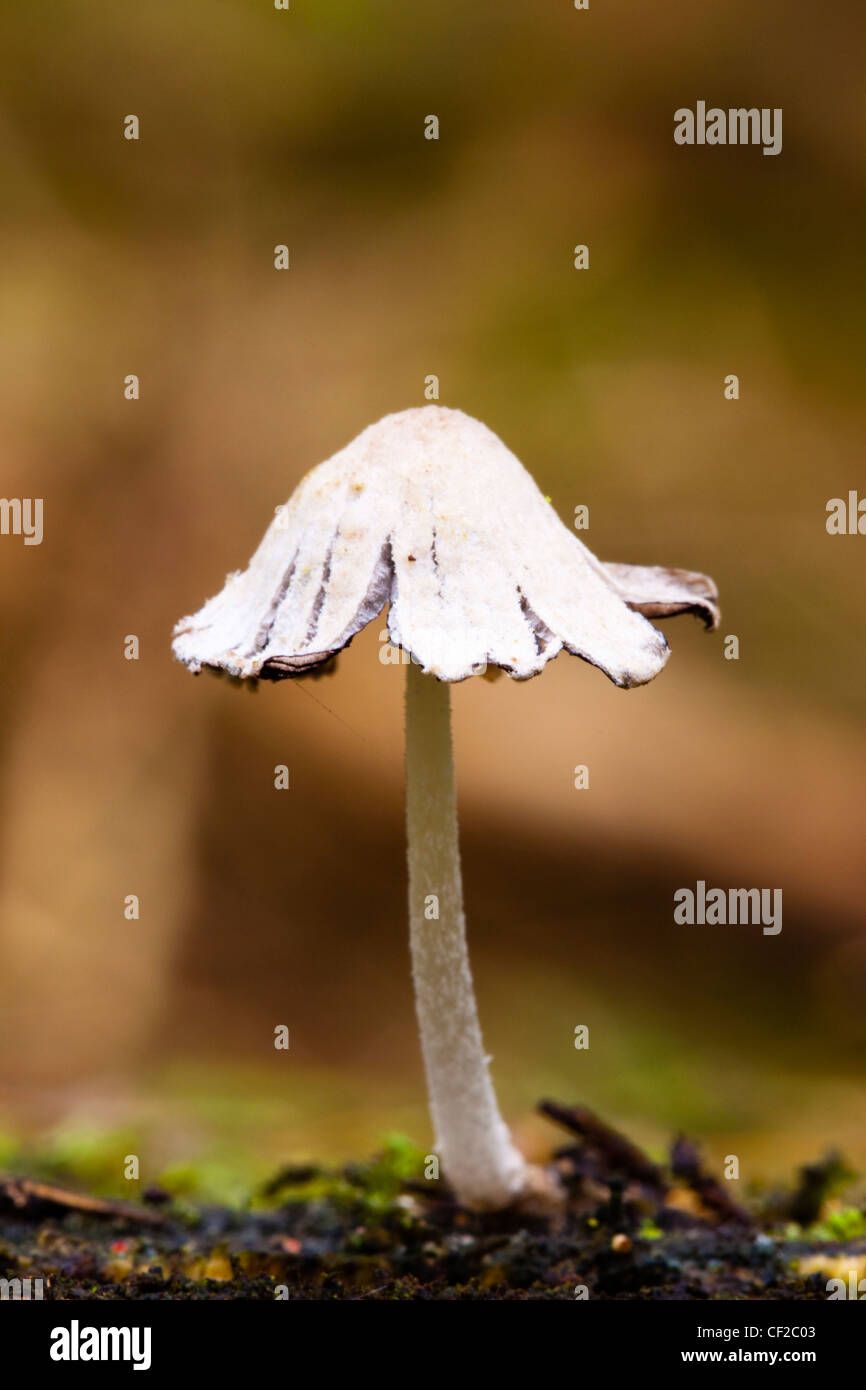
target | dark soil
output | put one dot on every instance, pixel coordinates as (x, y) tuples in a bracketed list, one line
[(629, 1229)]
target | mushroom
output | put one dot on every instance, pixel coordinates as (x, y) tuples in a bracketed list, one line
[(428, 511)]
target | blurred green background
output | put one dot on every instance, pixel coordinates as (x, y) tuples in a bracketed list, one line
[(411, 257)]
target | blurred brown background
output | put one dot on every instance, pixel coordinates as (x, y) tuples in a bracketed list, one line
[(411, 257)]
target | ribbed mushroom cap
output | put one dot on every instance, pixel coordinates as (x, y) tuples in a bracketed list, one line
[(428, 511)]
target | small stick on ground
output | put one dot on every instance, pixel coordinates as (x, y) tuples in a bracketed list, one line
[(619, 1153), (686, 1165), (33, 1199)]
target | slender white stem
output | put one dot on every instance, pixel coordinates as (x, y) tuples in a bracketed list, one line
[(472, 1140)]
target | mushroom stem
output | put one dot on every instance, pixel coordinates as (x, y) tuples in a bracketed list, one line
[(472, 1140)]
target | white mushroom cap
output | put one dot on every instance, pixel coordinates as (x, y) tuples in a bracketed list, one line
[(428, 511)]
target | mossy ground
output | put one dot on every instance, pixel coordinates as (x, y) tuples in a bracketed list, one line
[(373, 1230)]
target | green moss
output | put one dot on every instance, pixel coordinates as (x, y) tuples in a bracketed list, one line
[(849, 1223), (369, 1188), (650, 1231)]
